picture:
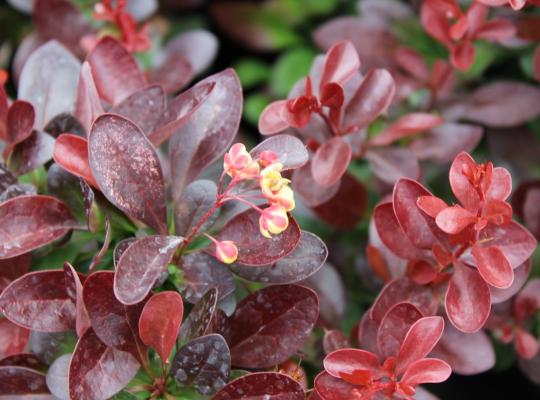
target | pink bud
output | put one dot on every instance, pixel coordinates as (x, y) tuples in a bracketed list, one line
[(226, 251)]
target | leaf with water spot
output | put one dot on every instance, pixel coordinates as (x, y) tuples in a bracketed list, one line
[(262, 385)]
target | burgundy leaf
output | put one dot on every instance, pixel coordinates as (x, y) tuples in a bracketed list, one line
[(345, 362), (160, 322), (97, 372), (253, 247), (419, 341), (33, 152), (392, 163), (49, 81), (199, 320), (203, 363), (405, 126), (493, 266), (329, 388), (198, 199), (270, 120), (209, 131), (173, 73), (179, 111), (310, 192), (57, 378), (263, 336), (116, 73), (340, 63), (21, 382), (27, 360), (394, 326), (290, 151), (74, 291), (143, 107), (262, 385), (13, 338), (88, 106), (403, 290), (370, 100), (120, 248), (201, 272), (115, 324), (62, 123), (39, 301), (427, 370), (19, 123), (305, 260), (334, 340), (140, 266), (127, 169), (71, 153), (468, 300), (345, 209), (331, 161), (467, 353)]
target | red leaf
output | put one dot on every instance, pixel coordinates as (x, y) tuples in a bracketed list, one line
[(493, 266), (329, 388), (13, 338), (407, 125), (461, 187), (526, 344), (29, 222), (431, 205), (394, 327), (330, 161), (209, 131), (128, 170), (199, 320), (140, 266), (39, 301), (19, 123), (454, 219), (291, 152), (427, 370), (462, 55), (71, 153), (203, 363), (348, 363), (263, 336), (262, 385), (253, 247), (88, 106), (143, 107), (97, 372), (403, 290), (21, 382), (116, 73), (468, 300), (501, 185), (412, 62), (270, 120), (340, 63), (521, 274), (31, 153), (419, 341), (160, 322), (114, 323), (496, 30), (370, 100), (74, 291)]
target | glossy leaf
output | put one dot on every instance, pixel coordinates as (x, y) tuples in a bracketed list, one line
[(143, 107), (493, 266), (160, 320), (330, 161), (200, 273), (454, 219), (198, 199), (97, 372), (199, 320), (71, 153), (115, 71), (127, 170), (467, 299), (253, 247), (394, 327), (39, 301), (49, 81), (140, 266), (203, 363), (345, 362), (290, 151), (305, 260), (21, 382), (262, 385), (115, 324), (209, 131)]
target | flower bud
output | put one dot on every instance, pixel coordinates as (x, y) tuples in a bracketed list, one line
[(267, 157), (273, 221), (226, 251), (237, 159)]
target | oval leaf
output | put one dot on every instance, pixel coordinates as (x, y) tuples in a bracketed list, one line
[(21, 382), (200, 318), (394, 327), (331, 161), (197, 200), (71, 153), (262, 385), (290, 150)]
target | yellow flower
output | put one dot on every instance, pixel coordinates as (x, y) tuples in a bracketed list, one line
[(273, 221), (226, 251)]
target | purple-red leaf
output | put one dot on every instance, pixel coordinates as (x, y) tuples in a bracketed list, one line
[(97, 372), (290, 151), (408, 125), (13, 338), (39, 301), (115, 71), (345, 362), (262, 385), (427, 370), (21, 382), (270, 120), (127, 169), (195, 202), (203, 363), (340, 63), (88, 106), (454, 219), (392, 163), (468, 300), (71, 153), (198, 46), (269, 325), (33, 152), (330, 161), (253, 247), (29, 222), (334, 340), (493, 266), (209, 131), (160, 322), (394, 326), (19, 123), (199, 320), (461, 186), (311, 193), (74, 291), (329, 388), (140, 266)]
